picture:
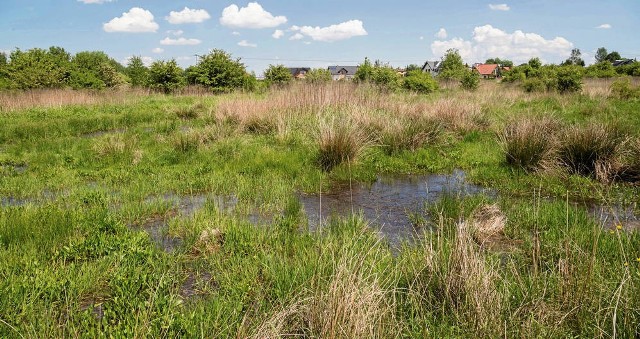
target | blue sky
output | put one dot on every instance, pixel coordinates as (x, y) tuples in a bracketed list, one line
[(321, 33)]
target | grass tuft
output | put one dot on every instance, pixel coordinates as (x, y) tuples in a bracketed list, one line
[(340, 139), (528, 143)]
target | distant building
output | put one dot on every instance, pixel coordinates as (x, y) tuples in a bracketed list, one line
[(432, 67), (299, 72), (489, 71), (343, 72), (622, 62)]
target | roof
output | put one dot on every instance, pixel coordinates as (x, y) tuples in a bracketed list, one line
[(431, 65), (622, 62), (486, 69), (297, 70), (348, 70)]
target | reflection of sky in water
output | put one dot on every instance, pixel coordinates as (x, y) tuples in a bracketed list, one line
[(388, 202)]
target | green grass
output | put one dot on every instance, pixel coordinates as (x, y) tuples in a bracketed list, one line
[(76, 259)]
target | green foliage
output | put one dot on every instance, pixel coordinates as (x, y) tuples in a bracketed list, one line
[(575, 58), (166, 76), (385, 77), (632, 69), (528, 143), (318, 76), (219, 72), (601, 54), (277, 75), (38, 68), (452, 67), (365, 71), (412, 67), (613, 56), (138, 73), (569, 79), (622, 89), (420, 82), (95, 69), (602, 69), (533, 85), (535, 63), (470, 81), (505, 62)]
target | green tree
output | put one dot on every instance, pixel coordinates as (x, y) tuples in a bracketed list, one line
[(166, 76), (277, 75), (218, 71), (613, 56), (575, 58), (137, 72), (36, 68), (452, 67), (318, 76), (412, 67), (569, 79), (385, 77), (3, 60), (95, 69), (535, 63), (365, 71), (420, 82), (505, 62), (601, 54)]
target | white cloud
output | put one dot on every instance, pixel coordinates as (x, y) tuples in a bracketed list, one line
[(307, 42), (499, 7), (252, 16), (442, 34), (297, 36), (179, 42), (175, 33), (157, 50), (421, 38), (488, 42), (342, 31), (278, 34), (235, 33), (187, 16), (136, 20), (94, 1), (245, 43), (604, 26)]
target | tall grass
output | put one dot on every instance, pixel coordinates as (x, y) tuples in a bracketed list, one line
[(529, 143), (340, 139)]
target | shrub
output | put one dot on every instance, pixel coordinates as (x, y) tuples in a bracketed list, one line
[(318, 76), (420, 82), (623, 89), (591, 150), (469, 81), (527, 143), (340, 140), (278, 75), (219, 72), (385, 77), (165, 76), (534, 85), (569, 79)]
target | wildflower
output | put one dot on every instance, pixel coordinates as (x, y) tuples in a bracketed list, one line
[(626, 264), (612, 232), (638, 260), (619, 226)]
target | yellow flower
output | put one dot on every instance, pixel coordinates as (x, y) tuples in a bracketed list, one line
[(626, 264), (612, 232), (638, 260), (619, 226)]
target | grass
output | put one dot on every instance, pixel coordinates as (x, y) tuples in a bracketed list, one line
[(529, 143), (83, 185)]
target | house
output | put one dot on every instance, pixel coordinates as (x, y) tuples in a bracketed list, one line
[(432, 67), (343, 72), (299, 72), (490, 71), (622, 62)]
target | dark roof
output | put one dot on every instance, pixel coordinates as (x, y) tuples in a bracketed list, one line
[(297, 70), (347, 70), (431, 65), (622, 62)]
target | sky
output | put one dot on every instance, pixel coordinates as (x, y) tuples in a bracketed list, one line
[(319, 33)]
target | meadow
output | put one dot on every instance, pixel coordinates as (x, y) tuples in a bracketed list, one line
[(132, 214)]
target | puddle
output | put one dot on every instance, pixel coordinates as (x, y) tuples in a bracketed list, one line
[(183, 207), (613, 216), (196, 285), (388, 203), (13, 202), (101, 133), (13, 168)]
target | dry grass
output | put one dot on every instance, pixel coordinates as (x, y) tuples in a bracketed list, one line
[(340, 139), (458, 115), (528, 143), (52, 98)]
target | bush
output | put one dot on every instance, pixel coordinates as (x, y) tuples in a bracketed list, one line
[(469, 81), (318, 76), (534, 85), (528, 143), (166, 76), (420, 82), (385, 77), (410, 134), (569, 79), (277, 75), (622, 89), (219, 72)]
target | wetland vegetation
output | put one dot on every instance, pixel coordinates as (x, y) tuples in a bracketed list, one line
[(281, 213)]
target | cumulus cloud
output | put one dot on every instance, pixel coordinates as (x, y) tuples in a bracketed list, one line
[(297, 36), (442, 34), (499, 7), (604, 26), (245, 43), (179, 42), (235, 33), (157, 50), (278, 34), (94, 1), (187, 16), (136, 20), (488, 42), (175, 33), (342, 31), (252, 16)]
